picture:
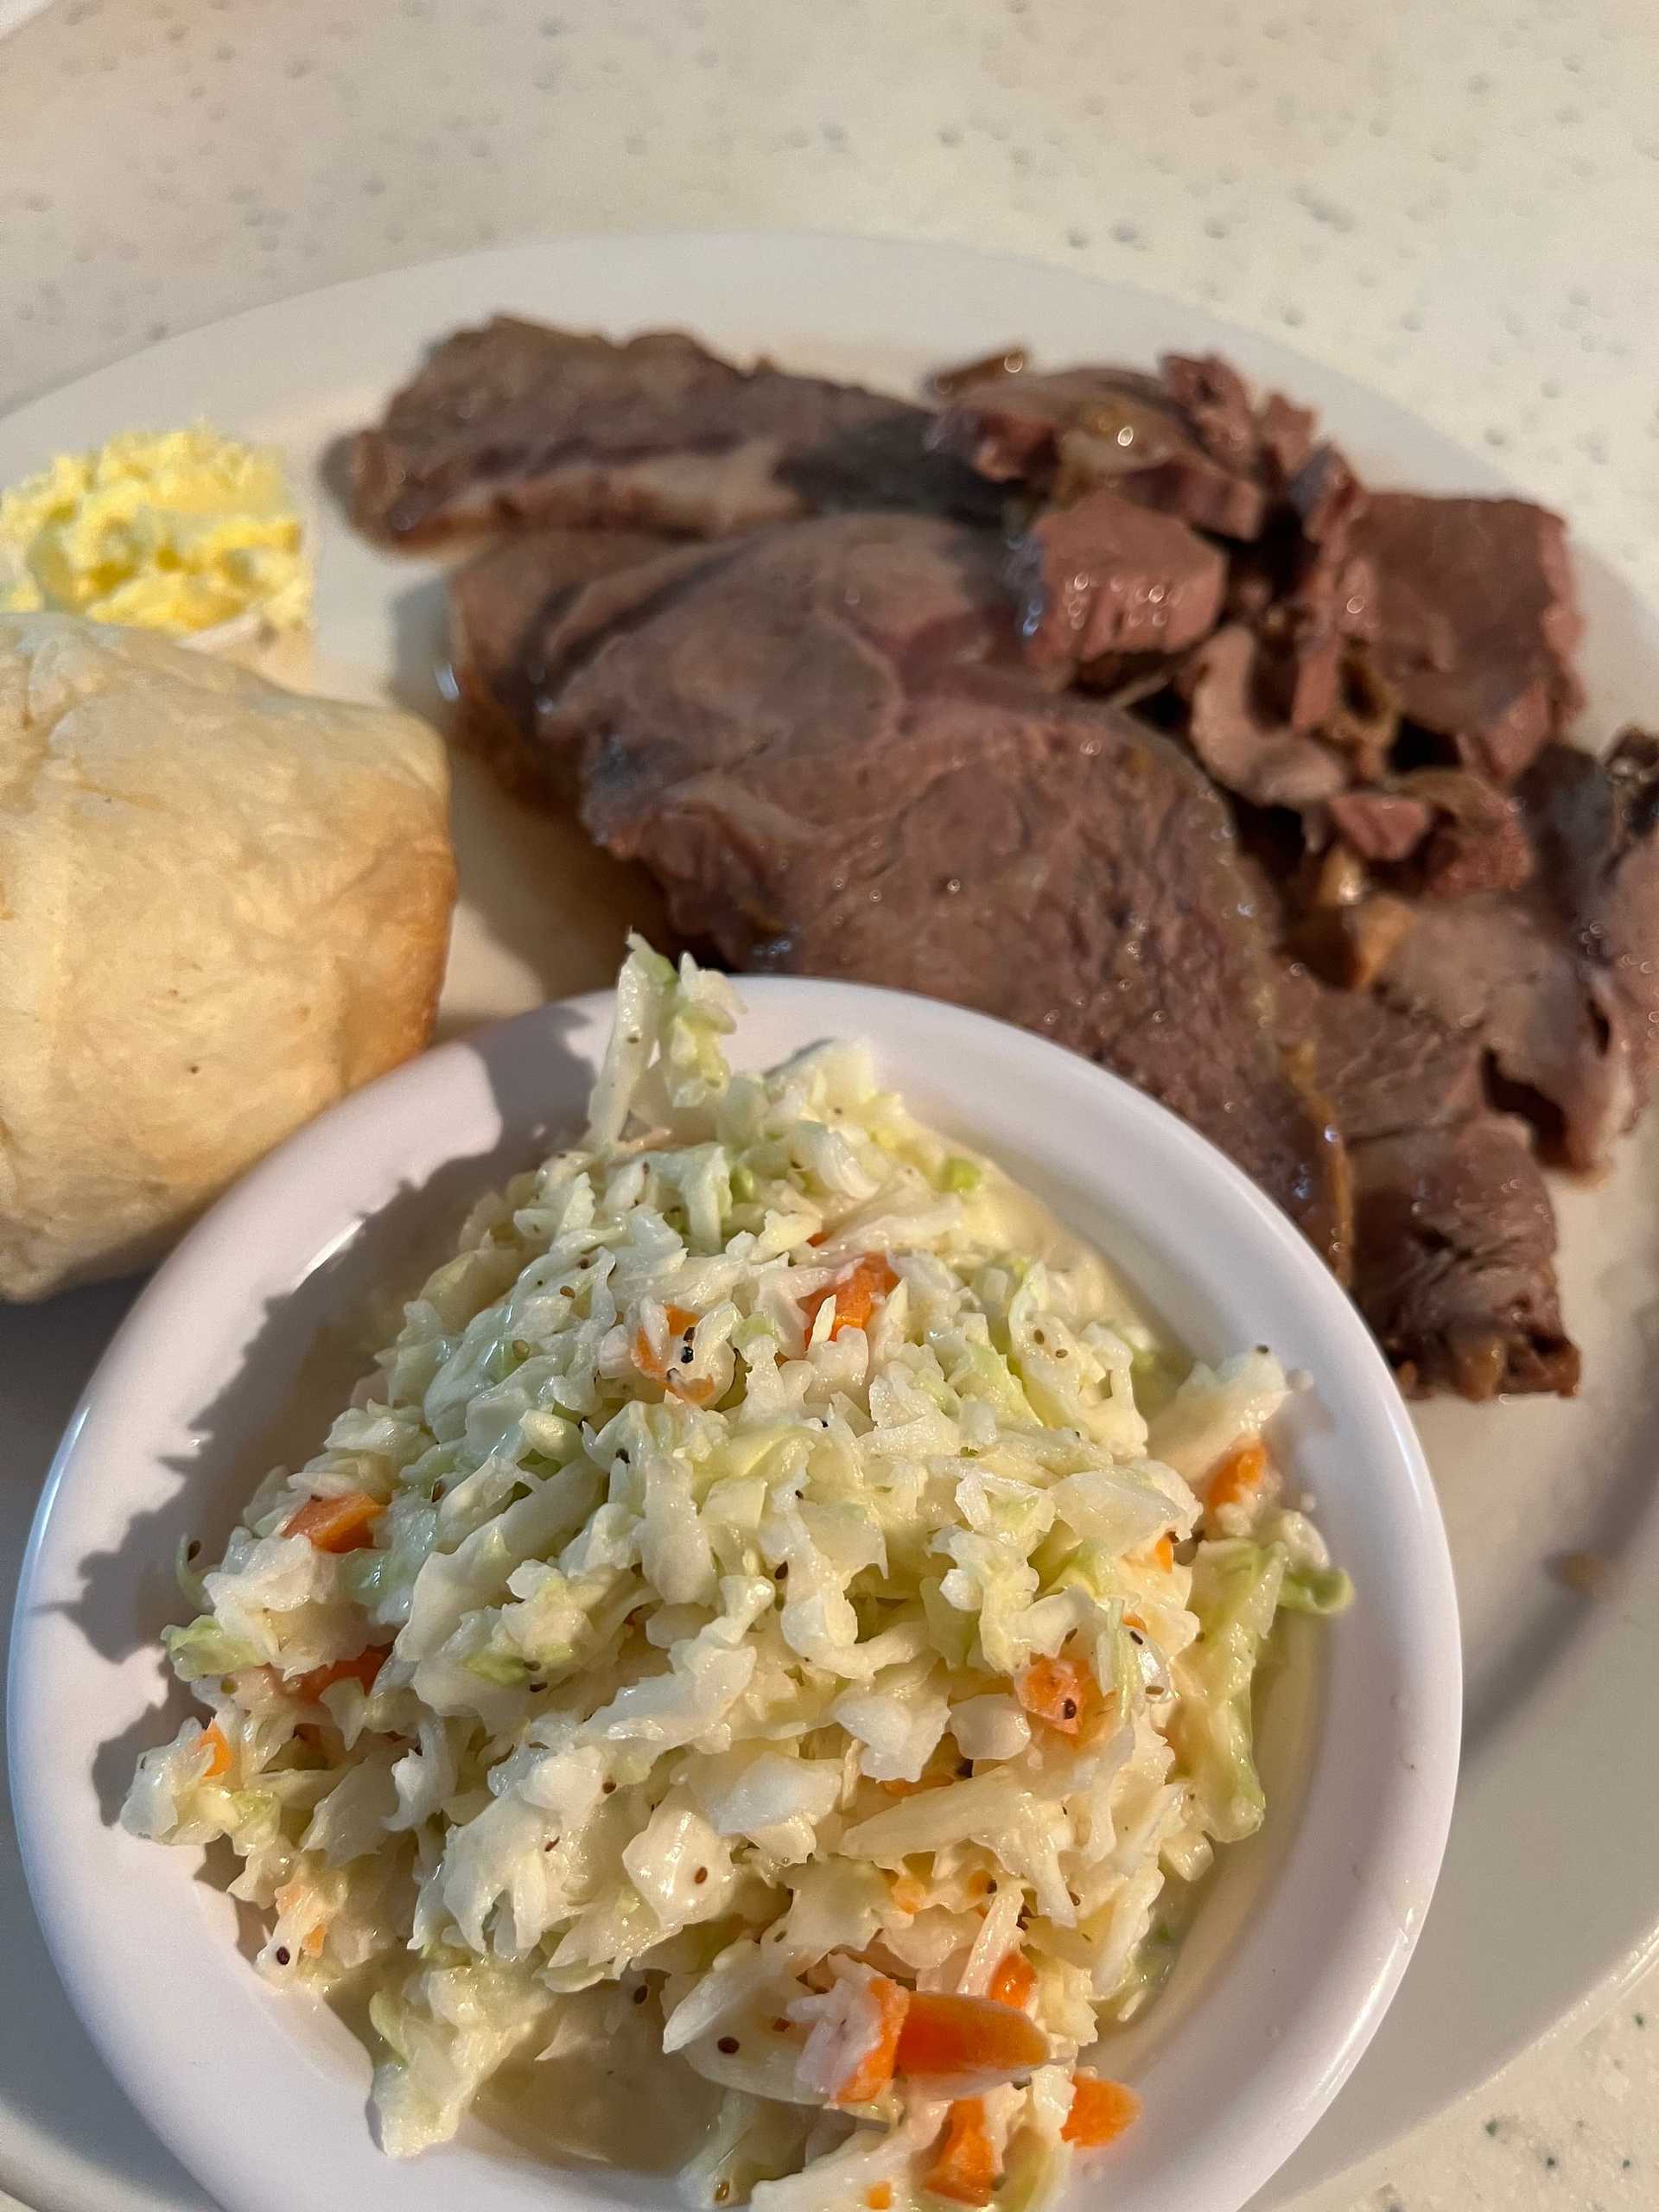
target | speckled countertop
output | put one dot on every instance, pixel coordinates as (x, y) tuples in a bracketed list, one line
[(1458, 203)]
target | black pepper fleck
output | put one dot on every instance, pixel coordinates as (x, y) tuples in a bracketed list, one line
[(640, 1995), (1492, 2127), (701, 1876), (605, 1788), (730, 2045), (193, 1549), (1069, 1709), (281, 1955)]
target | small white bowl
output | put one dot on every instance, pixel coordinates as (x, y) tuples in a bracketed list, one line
[(231, 1361)]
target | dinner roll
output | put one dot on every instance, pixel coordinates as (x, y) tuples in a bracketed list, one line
[(222, 906)]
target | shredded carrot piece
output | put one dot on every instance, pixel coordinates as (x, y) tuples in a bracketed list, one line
[(908, 1894), (879, 2197), (646, 1359), (694, 1391), (314, 1939), (1240, 1474), (218, 1752), (946, 2037), (1101, 2110), (1014, 1980), (910, 1788), (364, 1668), (336, 1524), (874, 2070), (856, 1295), (1056, 1692), (964, 2163), (1164, 1551)]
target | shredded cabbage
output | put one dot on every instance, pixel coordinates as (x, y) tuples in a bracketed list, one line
[(751, 1581)]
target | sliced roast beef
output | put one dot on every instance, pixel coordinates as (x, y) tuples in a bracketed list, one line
[(1476, 839), (1073, 430), (1497, 968), (1557, 980), (1475, 621), (518, 423), (820, 745), (502, 605), (1461, 833), (1106, 576), (1233, 730), (1215, 401), (1455, 1233), (1382, 825), (1596, 826), (1320, 607)]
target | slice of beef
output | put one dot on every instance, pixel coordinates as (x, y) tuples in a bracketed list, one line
[(1104, 576), (1322, 602), (1215, 401), (1596, 826), (822, 748), (1286, 436), (518, 423), (1248, 748), (1476, 838), (1382, 825), (501, 605), (1073, 430), (1461, 833), (1560, 981), (1454, 1233), (1497, 968), (1475, 621)]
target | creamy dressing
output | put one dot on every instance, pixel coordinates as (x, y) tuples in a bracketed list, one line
[(1004, 1216)]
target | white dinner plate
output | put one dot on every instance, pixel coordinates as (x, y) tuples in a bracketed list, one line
[(1549, 1902), (13, 14)]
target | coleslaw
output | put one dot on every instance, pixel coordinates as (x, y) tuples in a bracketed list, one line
[(768, 1582)]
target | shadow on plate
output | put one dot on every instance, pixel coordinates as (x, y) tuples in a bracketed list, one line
[(59, 2104)]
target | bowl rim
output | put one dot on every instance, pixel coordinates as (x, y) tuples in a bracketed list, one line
[(1396, 1852)]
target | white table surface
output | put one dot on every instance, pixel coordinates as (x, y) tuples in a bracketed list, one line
[(1456, 200)]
